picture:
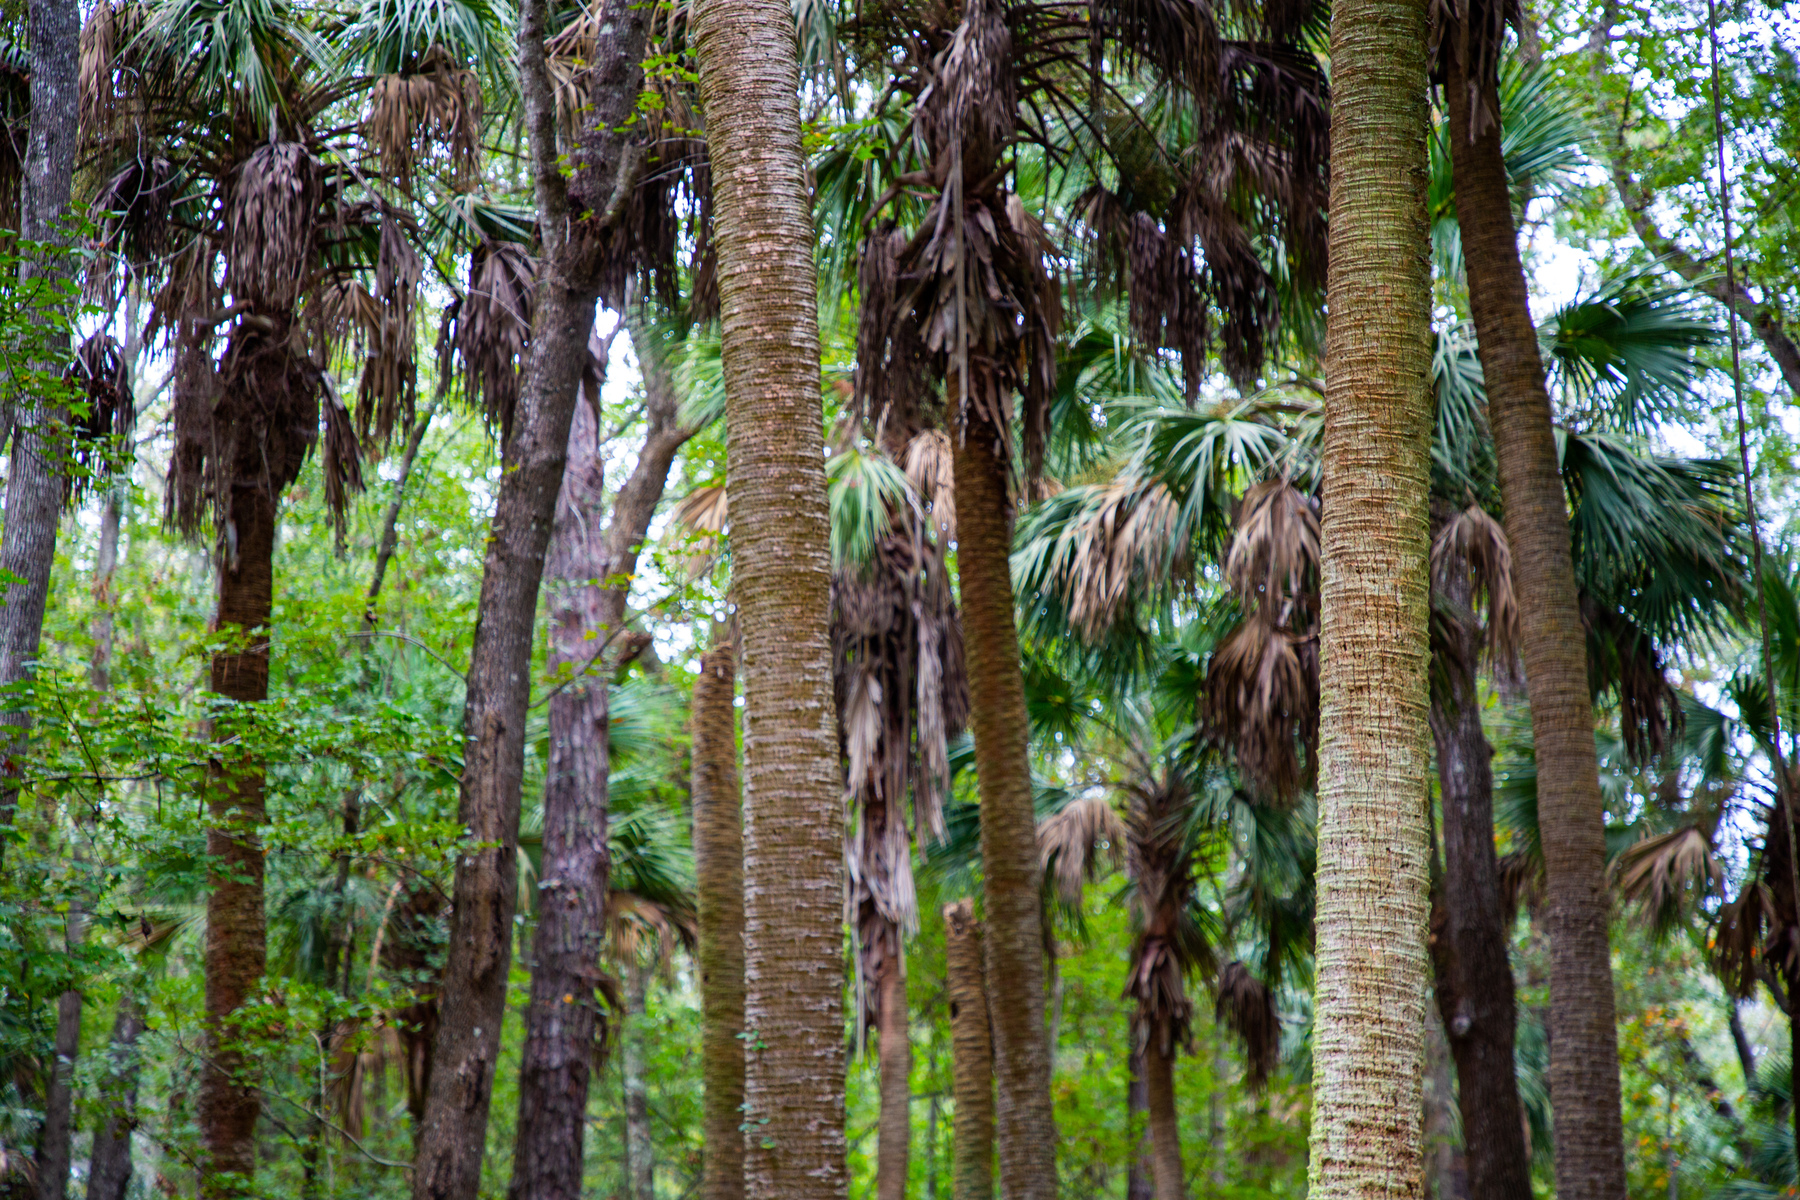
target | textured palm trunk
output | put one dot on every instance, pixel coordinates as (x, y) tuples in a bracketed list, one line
[(1166, 1173), (1009, 856), (1584, 1059), (781, 574), (563, 1018), (1473, 973), (1369, 1052), (894, 1051), (1140, 1175), (236, 949), (640, 1149), (719, 871), (34, 478), (447, 1165), (972, 1050), (109, 1162)]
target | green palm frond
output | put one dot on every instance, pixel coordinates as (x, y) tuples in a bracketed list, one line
[(1627, 356), (389, 37), (241, 56), (864, 486)]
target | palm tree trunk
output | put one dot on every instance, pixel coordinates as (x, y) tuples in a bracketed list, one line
[(109, 1163), (1369, 1051), (781, 563), (972, 1051), (719, 870), (447, 1165), (34, 480), (640, 1150), (563, 1019), (894, 1051), (1474, 981), (1584, 1059), (236, 948), (1141, 1173), (1009, 856), (1165, 1128)]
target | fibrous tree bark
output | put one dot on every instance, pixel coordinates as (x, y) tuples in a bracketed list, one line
[(972, 1062), (1369, 1059), (719, 869), (1013, 929), (564, 1021), (1584, 1062), (1474, 982), (781, 573), (451, 1139)]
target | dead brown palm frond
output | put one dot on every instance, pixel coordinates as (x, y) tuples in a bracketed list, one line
[(893, 385), (389, 388), (1521, 881), (105, 63), (1623, 657), (437, 103), (637, 925), (1659, 873), (1163, 1018), (195, 387), (1128, 539), (1273, 562), (492, 329), (273, 209), (1472, 540), (103, 424), (1246, 1006), (1076, 840), (1738, 944), (702, 515), (1262, 699), (929, 469)]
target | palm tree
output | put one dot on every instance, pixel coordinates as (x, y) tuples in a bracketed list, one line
[(781, 572), (190, 105), (972, 1057), (1584, 1072)]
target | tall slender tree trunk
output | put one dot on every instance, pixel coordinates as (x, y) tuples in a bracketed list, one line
[(236, 950), (1166, 1172), (1369, 1052), (447, 1165), (59, 1096), (109, 1162), (781, 564), (894, 1052), (1140, 1174), (1473, 973), (1009, 856), (34, 476), (972, 1061), (719, 869), (640, 1148), (1584, 1059), (563, 1019)]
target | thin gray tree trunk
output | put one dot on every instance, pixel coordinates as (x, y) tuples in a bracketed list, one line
[(35, 480), (640, 1149), (109, 1163)]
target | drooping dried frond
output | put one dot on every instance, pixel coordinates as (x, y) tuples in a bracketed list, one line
[(1521, 881), (1274, 558), (273, 207), (1471, 540), (195, 386), (1246, 1006), (1262, 699), (1739, 941), (1474, 31), (102, 427), (930, 470), (893, 383), (390, 376), (1624, 659), (493, 328), (438, 103), (1660, 874), (106, 70), (702, 514), (1075, 840), (131, 212), (1128, 537)]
